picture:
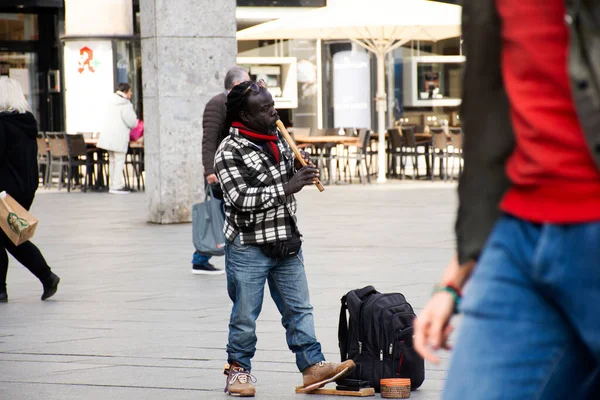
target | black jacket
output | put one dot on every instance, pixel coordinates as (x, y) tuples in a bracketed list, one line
[(213, 132), (489, 138), (18, 156)]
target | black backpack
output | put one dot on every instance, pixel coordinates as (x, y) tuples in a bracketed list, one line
[(378, 337)]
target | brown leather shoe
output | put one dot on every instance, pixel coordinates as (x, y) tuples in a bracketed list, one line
[(239, 382), (322, 373)]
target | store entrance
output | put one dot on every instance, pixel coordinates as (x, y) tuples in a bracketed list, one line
[(29, 54)]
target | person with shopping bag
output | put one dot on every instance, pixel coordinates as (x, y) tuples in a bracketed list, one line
[(19, 179), (213, 132)]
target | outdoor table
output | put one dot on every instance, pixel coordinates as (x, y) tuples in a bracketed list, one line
[(424, 136), (137, 154), (321, 141), (94, 142), (337, 139)]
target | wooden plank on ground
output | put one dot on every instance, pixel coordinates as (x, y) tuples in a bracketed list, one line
[(365, 392)]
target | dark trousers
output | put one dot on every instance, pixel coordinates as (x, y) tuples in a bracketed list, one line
[(27, 254)]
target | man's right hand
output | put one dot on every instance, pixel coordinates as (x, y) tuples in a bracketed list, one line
[(305, 176), (212, 178)]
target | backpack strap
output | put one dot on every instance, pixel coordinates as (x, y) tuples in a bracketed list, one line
[(361, 294), (343, 331)]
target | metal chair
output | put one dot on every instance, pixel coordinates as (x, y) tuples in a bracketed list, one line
[(360, 155), (326, 153), (59, 156), (411, 149), (395, 153), (439, 149), (365, 136), (43, 158), (457, 139), (135, 160), (79, 156)]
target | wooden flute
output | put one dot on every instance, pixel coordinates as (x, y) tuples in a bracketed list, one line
[(297, 153)]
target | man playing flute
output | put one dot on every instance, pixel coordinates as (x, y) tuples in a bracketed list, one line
[(259, 176)]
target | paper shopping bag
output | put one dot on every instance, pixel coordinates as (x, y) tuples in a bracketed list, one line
[(16, 222)]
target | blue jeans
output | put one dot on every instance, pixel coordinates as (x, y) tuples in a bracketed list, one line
[(200, 259), (247, 270), (531, 327)]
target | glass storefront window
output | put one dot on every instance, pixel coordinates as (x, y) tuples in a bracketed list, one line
[(439, 80), (123, 62), (431, 81), (128, 66), (18, 27), (22, 67)]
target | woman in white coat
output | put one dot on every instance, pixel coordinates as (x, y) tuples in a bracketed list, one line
[(114, 138)]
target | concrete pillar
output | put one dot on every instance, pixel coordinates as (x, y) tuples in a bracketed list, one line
[(187, 47)]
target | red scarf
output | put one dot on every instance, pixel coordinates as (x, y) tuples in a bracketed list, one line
[(270, 140)]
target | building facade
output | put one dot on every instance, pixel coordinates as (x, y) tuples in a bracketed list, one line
[(68, 55)]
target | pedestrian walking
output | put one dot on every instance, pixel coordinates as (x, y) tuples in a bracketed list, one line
[(259, 177), (528, 226), (19, 177), (213, 132), (119, 120)]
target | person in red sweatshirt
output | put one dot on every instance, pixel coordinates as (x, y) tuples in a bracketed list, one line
[(528, 226)]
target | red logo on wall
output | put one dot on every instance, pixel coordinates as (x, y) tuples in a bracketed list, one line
[(86, 60)]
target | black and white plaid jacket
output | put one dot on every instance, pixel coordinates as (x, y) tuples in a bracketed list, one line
[(256, 207)]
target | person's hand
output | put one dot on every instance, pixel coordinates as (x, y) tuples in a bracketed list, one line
[(305, 176), (212, 178), (432, 327), (306, 158)]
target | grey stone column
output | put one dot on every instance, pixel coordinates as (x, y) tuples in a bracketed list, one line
[(187, 47)]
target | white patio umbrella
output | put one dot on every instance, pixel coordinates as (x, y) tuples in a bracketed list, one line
[(379, 26)]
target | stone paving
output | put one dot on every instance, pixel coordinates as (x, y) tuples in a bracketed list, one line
[(131, 322)]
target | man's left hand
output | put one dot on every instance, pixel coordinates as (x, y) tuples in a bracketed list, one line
[(306, 158), (432, 326)]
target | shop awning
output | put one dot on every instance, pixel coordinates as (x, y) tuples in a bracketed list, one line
[(370, 20)]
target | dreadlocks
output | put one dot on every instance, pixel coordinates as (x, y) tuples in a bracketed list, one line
[(237, 101)]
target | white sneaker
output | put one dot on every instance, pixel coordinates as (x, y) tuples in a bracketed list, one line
[(119, 191)]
